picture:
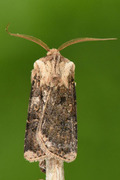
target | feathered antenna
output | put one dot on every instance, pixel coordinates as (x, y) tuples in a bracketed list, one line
[(30, 38), (74, 41)]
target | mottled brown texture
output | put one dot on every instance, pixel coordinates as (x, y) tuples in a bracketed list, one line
[(59, 127), (31, 143), (51, 129)]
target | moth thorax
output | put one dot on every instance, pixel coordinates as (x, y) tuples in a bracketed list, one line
[(55, 80), (53, 52)]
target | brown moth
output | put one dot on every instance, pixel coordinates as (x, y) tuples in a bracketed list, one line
[(51, 129)]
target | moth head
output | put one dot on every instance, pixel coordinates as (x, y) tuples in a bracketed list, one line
[(66, 44), (53, 52)]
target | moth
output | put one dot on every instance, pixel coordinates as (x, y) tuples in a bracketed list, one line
[(51, 129)]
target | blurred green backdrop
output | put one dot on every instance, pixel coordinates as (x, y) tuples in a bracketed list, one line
[(97, 77)]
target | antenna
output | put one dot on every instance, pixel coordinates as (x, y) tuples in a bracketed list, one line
[(74, 41), (30, 38)]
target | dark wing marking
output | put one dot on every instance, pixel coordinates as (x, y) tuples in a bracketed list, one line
[(59, 124), (32, 150), (42, 165)]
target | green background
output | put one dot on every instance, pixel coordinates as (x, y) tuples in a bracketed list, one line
[(97, 76)]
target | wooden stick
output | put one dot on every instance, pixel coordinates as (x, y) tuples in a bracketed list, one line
[(54, 169)]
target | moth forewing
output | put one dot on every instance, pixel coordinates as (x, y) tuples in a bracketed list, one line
[(51, 129)]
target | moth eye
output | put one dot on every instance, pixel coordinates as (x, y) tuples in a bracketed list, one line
[(63, 99)]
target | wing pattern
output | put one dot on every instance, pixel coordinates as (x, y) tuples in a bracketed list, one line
[(52, 112)]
